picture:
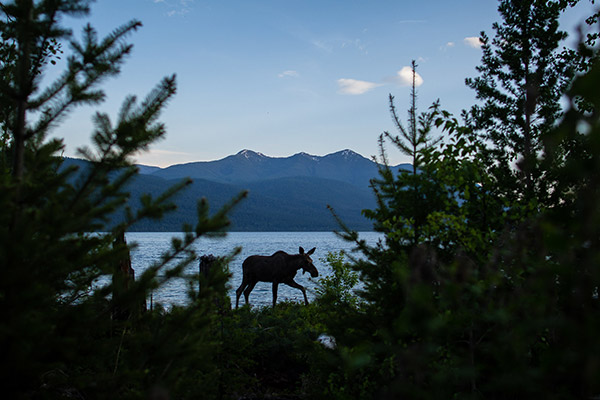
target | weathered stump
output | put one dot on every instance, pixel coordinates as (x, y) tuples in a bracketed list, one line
[(123, 278), (206, 262)]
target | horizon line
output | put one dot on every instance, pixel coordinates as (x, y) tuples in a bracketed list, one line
[(260, 154)]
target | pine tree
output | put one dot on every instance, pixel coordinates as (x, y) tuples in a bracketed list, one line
[(403, 195), (522, 78), (499, 298), (57, 337), (416, 136)]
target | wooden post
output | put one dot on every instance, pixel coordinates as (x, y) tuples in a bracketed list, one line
[(123, 278), (206, 263)]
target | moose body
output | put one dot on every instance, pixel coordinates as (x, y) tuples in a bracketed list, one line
[(280, 267)]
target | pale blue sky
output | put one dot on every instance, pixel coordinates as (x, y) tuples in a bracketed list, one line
[(286, 76)]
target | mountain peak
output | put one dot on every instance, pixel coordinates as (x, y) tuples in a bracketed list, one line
[(347, 154), (306, 155), (250, 154)]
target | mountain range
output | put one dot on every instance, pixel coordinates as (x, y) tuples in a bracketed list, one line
[(284, 193)]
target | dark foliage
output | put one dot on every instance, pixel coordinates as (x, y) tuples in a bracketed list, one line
[(492, 300), (64, 332), (485, 284)]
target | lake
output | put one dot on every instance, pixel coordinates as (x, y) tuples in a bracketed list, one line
[(150, 246)]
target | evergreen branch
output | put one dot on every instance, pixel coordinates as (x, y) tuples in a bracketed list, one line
[(96, 62), (130, 135), (399, 143), (205, 225), (396, 119)]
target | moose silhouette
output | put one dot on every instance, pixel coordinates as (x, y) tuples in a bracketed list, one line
[(280, 267)]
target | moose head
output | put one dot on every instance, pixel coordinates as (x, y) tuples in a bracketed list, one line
[(307, 264)]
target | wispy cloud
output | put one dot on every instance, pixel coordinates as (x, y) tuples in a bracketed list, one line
[(176, 7), (354, 87), (412, 21), (159, 152), (404, 77), (288, 73), (356, 43), (163, 158), (322, 45), (447, 46), (330, 45), (473, 41)]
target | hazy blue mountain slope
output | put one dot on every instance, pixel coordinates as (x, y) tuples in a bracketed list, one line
[(69, 162), (288, 203), (306, 199), (147, 169), (248, 166), (82, 164)]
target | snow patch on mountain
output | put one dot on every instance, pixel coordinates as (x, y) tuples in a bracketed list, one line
[(249, 154)]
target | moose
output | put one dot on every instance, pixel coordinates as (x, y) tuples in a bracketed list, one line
[(280, 267)]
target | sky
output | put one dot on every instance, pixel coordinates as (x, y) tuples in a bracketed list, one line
[(286, 76)]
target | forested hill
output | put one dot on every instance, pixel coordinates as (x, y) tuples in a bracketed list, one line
[(285, 194), (249, 166)]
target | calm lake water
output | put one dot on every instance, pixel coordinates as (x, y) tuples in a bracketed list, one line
[(150, 246)]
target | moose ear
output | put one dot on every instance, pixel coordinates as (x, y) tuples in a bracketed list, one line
[(311, 251), (301, 250)]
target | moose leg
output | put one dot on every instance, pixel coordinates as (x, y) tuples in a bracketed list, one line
[(248, 290), (275, 286), (296, 285), (239, 291)]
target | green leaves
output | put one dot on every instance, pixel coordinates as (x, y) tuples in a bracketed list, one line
[(338, 289)]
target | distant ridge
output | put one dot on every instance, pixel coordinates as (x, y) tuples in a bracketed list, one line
[(249, 166), (285, 193)]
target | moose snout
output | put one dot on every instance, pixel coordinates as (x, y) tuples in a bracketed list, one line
[(314, 273)]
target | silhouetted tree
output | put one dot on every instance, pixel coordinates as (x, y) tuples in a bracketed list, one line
[(522, 78), (497, 297), (57, 338), (416, 136), (402, 194)]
